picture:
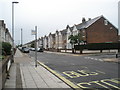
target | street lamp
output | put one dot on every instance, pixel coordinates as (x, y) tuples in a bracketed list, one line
[(21, 37), (13, 28)]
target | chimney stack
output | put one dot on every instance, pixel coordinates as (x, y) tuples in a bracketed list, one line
[(89, 19), (83, 20)]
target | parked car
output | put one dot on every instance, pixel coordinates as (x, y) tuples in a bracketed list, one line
[(117, 54), (20, 48), (25, 50), (32, 49), (40, 49)]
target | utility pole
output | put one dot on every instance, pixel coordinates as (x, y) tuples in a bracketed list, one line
[(34, 32), (13, 30), (35, 46), (21, 37)]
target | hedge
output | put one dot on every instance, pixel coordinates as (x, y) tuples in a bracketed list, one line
[(6, 48), (98, 46)]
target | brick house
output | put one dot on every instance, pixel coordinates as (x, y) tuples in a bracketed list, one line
[(118, 38), (51, 41), (97, 30)]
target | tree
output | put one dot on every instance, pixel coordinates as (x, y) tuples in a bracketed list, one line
[(77, 39), (73, 41), (80, 38), (32, 45)]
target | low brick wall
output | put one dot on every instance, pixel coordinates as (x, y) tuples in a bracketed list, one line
[(5, 67)]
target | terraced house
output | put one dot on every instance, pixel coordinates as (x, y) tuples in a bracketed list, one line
[(45, 42), (5, 35), (96, 30), (51, 41)]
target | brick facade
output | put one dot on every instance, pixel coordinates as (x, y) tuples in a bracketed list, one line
[(101, 33)]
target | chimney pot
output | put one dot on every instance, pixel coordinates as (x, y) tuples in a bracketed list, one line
[(83, 20)]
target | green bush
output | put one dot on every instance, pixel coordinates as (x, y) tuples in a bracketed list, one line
[(6, 48), (32, 45)]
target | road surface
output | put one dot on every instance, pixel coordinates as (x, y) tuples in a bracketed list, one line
[(85, 71)]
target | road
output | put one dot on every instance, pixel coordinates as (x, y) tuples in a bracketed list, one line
[(85, 71)]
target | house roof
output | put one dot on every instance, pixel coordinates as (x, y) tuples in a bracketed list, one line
[(64, 31), (53, 35), (87, 23)]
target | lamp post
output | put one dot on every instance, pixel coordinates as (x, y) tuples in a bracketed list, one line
[(13, 29), (34, 32), (21, 37)]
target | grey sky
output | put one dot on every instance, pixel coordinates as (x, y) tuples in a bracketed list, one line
[(52, 15)]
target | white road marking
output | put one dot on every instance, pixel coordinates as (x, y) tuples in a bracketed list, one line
[(91, 58)]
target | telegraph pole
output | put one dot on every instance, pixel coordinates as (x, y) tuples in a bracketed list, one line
[(35, 46), (21, 37), (13, 30), (34, 32)]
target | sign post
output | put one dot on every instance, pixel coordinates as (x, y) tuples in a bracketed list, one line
[(34, 32)]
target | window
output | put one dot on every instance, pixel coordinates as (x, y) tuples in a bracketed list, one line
[(105, 22)]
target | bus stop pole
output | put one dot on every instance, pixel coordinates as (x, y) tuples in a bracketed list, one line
[(35, 46)]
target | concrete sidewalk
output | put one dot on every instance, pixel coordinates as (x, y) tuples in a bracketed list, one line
[(24, 74)]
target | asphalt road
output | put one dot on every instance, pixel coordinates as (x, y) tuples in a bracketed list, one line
[(85, 71)]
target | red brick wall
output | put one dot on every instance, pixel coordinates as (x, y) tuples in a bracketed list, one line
[(100, 33)]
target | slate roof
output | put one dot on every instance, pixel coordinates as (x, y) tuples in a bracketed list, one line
[(53, 35), (64, 31), (87, 23)]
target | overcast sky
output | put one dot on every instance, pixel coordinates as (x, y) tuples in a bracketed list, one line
[(52, 15)]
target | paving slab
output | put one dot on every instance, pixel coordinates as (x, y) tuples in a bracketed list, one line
[(24, 74)]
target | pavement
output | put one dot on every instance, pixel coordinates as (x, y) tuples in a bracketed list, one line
[(24, 74), (90, 52), (83, 71)]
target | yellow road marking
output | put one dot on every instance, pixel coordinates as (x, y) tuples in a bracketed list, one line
[(81, 85), (100, 72), (100, 83), (61, 77)]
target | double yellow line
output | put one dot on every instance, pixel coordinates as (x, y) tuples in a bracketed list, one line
[(72, 85)]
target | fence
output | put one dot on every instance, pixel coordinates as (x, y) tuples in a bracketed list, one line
[(98, 46), (6, 64)]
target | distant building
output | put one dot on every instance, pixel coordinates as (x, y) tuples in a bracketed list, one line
[(45, 42), (96, 30), (5, 35), (40, 42), (57, 40)]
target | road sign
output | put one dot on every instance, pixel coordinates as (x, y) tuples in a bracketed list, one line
[(33, 32)]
